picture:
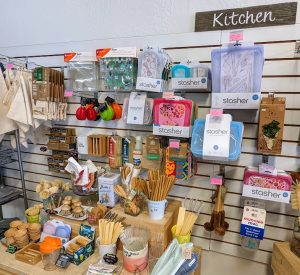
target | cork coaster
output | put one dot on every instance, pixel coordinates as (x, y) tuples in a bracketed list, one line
[(21, 234), (10, 232), (34, 227), (23, 226), (15, 224)]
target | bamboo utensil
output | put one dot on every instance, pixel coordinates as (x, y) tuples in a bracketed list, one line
[(109, 231), (217, 222), (185, 222)]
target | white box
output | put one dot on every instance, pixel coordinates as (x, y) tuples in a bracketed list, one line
[(106, 184)]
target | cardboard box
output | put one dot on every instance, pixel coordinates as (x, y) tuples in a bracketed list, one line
[(284, 261), (86, 251), (271, 124), (106, 184)]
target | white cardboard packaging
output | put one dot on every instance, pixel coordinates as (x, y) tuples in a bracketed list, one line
[(192, 83), (106, 184), (236, 100), (217, 137), (150, 84)]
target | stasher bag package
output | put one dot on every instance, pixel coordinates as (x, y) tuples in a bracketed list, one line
[(236, 76)]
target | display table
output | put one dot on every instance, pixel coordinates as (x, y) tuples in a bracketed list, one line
[(284, 261), (161, 228), (10, 266)]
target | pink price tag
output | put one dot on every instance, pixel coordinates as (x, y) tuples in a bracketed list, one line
[(68, 93), (169, 94), (9, 66), (216, 180), (236, 36), (173, 143), (216, 112)]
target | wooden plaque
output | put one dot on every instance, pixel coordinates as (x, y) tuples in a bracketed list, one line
[(248, 17)]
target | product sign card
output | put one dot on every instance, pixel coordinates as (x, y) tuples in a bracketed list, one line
[(136, 107), (217, 137), (253, 222)]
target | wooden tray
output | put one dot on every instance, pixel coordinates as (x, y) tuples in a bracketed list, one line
[(30, 254)]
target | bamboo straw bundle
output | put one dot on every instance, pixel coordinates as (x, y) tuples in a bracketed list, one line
[(109, 231), (159, 185), (185, 222)]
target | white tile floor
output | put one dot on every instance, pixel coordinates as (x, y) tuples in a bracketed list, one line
[(229, 265)]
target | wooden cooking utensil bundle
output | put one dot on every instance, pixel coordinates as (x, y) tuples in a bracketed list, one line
[(159, 185), (217, 221), (109, 231), (185, 222)]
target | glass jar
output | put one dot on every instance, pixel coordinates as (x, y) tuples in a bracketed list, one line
[(295, 243), (50, 249)]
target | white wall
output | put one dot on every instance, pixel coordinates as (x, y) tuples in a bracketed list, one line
[(33, 28)]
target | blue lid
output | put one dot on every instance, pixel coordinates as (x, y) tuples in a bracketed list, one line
[(236, 136), (180, 71)]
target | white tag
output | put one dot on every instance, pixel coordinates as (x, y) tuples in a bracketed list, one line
[(267, 169), (253, 222), (82, 146), (186, 251), (136, 107), (149, 84), (236, 100), (217, 137)]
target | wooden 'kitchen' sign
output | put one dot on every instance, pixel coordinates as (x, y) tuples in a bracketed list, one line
[(248, 17)]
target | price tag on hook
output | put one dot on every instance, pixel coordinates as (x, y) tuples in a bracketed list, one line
[(236, 36), (216, 180)]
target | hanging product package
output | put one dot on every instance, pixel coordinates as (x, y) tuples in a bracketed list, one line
[(118, 68), (173, 117), (267, 184), (48, 101), (137, 109), (236, 76), (83, 71), (252, 226), (191, 76), (271, 124), (153, 70), (179, 162), (212, 142), (253, 223)]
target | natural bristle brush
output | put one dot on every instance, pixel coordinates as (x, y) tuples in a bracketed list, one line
[(295, 195)]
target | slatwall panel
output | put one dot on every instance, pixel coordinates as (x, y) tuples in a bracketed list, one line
[(281, 72)]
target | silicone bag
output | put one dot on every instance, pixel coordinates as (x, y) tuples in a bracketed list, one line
[(172, 112), (236, 136), (282, 181), (118, 73), (147, 110), (84, 76), (237, 69)]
